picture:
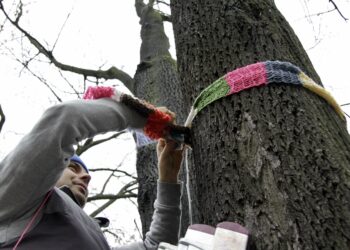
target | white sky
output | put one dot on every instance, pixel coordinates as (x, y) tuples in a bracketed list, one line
[(106, 33)]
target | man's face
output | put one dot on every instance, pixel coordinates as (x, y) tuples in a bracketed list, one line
[(77, 179)]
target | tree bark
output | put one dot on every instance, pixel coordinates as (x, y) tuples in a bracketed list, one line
[(156, 80), (274, 159)]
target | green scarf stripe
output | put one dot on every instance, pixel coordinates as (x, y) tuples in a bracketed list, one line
[(215, 91)]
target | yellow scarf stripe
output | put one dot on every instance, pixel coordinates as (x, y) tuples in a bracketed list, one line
[(309, 84)]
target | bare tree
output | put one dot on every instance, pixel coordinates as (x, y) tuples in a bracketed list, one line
[(276, 158), (156, 79)]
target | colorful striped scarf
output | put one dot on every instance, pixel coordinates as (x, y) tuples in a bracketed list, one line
[(159, 124), (254, 75)]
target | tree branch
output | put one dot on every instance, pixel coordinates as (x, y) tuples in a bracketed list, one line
[(40, 79), (111, 73), (112, 174), (124, 192), (70, 85), (106, 182), (138, 229), (336, 7), (114, 171), (20, 12), (113, 197), (59, 33), (112, 233), (91, 143), (163, 2), (321, 13), (25, 65), (346, 114), (345, 104), (3, 118), (139, 5), (165, 17), (151, 3)]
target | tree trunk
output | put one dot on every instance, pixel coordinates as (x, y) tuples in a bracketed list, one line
[(156, 80), (274, 159)]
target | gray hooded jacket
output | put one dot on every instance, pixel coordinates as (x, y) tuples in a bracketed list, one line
[(35, 165)]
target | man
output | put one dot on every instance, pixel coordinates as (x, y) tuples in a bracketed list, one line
[(36, 214), (75, 180)]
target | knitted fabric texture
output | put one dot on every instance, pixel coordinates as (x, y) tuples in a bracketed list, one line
[(258, 74), (75, 158), (158, 123)]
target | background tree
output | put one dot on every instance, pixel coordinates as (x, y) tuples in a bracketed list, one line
[(275, 159), (156, 80)]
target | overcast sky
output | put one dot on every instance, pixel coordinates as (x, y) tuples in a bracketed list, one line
[(106, 33)]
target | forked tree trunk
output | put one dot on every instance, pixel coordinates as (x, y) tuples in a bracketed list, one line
[(156, 80), (275, 159)]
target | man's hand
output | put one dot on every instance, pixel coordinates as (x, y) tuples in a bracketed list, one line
[(169, 160), (169, 156)]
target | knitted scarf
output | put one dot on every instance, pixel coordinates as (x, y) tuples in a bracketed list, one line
[(258, 74), (159, 124)]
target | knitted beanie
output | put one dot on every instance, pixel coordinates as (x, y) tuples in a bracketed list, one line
[(75, 158)]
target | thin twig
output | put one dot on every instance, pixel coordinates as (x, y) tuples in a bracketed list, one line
[(111, 73), (112, 174), (112, 233), (59, 33), (20, 12), (346, 114), (116, 170), (69, 84), (44, 82), (113, 170), (29, 61), (138, 229), (336, 7), (320, 13), (3, 118), (163, 2), (112, 198), (102, 169), (106, 182), (345, 104), (25, 65), (91, 143)]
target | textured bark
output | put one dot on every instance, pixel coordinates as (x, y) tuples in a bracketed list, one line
[(156, 81), (146, 165), (275, 159)]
